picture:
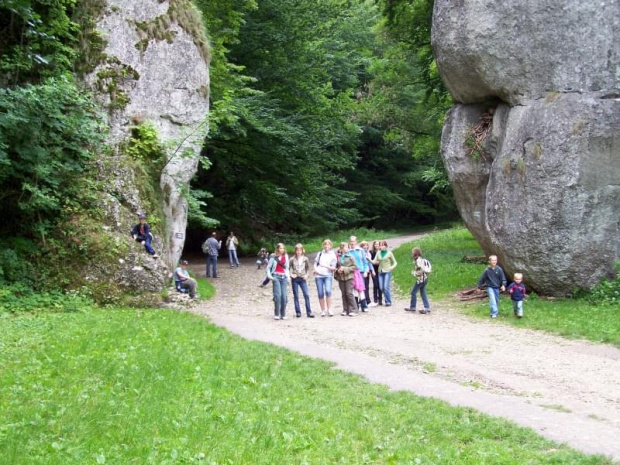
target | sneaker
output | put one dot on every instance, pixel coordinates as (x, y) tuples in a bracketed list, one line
[(311, 315), (276, 317), (493, 316), (365, 309), (155, 256), (298, 315), (344, 314), (323, 313), (283, 318), (352, 314), (373, 304), (330, 313), (388, 305), (407, 309), (425, 311)]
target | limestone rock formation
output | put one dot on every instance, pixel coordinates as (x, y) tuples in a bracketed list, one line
[(542, 189), (154, 68)]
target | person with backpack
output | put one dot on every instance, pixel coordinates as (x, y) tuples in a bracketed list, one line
[(211, 247), (421, 269)]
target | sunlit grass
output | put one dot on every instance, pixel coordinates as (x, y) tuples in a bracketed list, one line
[(574, 318), (156, 386), (445, 250)]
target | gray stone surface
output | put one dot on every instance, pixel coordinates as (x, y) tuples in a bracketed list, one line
[(516, 50), (164, 82), (545, 194), (546, 199)]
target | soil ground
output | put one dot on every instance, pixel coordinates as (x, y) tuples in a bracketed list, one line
[(567, 390)]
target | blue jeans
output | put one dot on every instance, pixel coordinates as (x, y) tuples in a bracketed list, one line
[(212, 263), (517, 306), (279, 295), (493, 293), (232, 257), (147, 243), (297, 283), (324, 286), (422, 288), (384, 285)]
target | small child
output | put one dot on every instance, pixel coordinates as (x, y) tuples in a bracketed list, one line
[(517, 294), (495, 281), (263, 257)]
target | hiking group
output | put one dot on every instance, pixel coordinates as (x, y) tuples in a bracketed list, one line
[(354, 266)]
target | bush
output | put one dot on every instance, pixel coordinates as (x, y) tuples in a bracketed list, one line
[(48, 134), (607, 292), (20, 298)]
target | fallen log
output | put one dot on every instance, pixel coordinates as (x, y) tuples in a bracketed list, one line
[(471, 294), (474, 259)]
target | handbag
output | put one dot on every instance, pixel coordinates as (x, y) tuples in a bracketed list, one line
[(358, 281)]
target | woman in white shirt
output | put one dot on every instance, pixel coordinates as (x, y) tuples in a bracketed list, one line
[(324, 267)]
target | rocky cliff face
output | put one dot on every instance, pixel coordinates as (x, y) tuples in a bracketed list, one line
[(154, 69), (532, 146)]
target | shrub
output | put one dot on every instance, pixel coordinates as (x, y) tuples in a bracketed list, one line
[(607, 292), (20, 298)]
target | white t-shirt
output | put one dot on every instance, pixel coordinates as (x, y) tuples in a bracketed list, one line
[(324, 260)]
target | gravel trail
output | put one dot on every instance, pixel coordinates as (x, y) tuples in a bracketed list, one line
[(567, 390)]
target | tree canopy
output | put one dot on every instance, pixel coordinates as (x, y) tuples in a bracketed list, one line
[(323, 114)]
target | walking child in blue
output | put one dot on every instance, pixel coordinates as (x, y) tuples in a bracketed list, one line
[(517, 294), (495, 281)]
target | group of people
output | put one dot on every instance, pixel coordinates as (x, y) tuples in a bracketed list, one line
[(211, 248), (353, 265)]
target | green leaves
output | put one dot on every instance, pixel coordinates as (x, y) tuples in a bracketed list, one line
[(47, 135), (37, 39)]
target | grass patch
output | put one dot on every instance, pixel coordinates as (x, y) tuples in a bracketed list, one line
[(444, 249), (572, 318), (155, 386), (204, 288), (556, 407)]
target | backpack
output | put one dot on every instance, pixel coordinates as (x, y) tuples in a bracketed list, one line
[(427, 268), (205, 247)]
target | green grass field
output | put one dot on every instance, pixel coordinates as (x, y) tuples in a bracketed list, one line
[(158, 386), (574, 318)]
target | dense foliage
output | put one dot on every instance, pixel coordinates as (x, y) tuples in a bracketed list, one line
[(322, 116)]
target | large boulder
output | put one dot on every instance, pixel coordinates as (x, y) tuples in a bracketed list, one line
[(541, 187), (152, 69), (518, 50)]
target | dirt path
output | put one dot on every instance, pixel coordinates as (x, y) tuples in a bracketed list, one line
[(568, 391)]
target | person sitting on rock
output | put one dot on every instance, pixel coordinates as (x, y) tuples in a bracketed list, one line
[(181, 274), (142, 233)]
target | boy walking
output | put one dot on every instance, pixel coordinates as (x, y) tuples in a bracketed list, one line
[(517, 294), (495, 281)]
